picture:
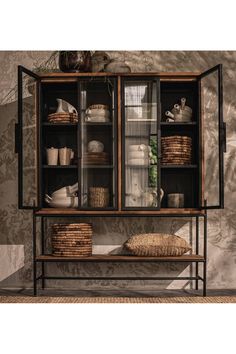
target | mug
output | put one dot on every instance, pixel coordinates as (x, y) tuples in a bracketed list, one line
[(65, 156), (52, 156), (175, 200)]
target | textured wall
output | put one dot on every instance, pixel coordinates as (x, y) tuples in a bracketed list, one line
[(16, 225)]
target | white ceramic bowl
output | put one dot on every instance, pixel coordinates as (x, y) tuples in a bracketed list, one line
[(138, 162), (68, 202), (140, 147), (138, 154)]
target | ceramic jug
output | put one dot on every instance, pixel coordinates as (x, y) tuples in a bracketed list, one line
[(65, 156)]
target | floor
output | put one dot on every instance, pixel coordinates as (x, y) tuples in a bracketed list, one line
[(117, 293)]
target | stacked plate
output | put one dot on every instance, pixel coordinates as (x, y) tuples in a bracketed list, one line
[(176, 150), (71, 240), (63, 117), (96, 158)]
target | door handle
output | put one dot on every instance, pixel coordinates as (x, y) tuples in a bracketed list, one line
[(17, 138), (224, 136)]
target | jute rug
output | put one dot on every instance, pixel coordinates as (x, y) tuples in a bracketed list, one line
[(118, 300)]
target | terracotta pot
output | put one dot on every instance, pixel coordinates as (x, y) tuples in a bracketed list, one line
[(75, 61)]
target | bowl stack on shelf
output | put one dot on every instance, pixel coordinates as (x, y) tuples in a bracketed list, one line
[(63, 117), (176, 150), (71, 240), (96, 158)]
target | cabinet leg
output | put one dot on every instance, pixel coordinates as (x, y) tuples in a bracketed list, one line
[(204, 278), (43, 280), (35, 277), (196, 281)]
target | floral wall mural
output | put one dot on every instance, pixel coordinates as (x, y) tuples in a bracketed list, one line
[(16, 225)]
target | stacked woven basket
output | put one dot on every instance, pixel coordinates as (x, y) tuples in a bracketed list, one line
[(176, 150), (63, 117), (72, 240)]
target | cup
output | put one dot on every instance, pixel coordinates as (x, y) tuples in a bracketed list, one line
[(175, 200), (52, 156), (65, 156)]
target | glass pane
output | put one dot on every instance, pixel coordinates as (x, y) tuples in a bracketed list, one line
[(210, 130), (98, 155), (141, 169), (29, 141)]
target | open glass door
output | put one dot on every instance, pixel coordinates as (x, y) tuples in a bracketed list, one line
[(27, 139), (141, 143), (213, 135)]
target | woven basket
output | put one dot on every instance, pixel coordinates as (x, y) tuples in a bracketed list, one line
[(63, 117), (98, 197), (72, 240), (157, 245)]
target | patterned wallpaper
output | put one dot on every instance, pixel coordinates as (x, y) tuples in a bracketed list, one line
[(16, 225)]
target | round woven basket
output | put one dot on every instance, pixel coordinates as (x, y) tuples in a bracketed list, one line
[(98, 197), (72, 240)]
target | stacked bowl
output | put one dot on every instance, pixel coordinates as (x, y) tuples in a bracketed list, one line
[(97, 113), (138, 155), (64, 197)]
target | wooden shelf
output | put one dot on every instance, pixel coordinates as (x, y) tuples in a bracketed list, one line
[(97, 124), (163, 212), (97, 166), (119, 258), (47, 124), (59, 166), (178, 124), (179, 166)]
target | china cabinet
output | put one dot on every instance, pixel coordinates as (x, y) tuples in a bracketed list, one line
[(129, 155)]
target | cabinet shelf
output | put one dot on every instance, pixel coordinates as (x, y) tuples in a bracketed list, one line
[(97, 166), (59, 166), (140, 166), (109, 124), (120, 258), (178, 124), (179, 166), (47, 124)]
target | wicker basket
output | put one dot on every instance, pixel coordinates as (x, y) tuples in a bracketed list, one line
[(98, 197), (72, 240)]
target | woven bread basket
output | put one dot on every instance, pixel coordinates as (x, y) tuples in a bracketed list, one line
[(157, 245)]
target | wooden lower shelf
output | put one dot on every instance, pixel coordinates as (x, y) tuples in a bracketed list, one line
[(119, 258), (161, 212)]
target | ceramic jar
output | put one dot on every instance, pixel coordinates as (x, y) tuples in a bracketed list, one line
[(52, 156), (175, 200), (75, 61), (180, 113), (97, 113)]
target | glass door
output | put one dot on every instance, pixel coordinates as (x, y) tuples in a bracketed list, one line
[(141, 144), (98, 147), (213, 134), (27, 142)]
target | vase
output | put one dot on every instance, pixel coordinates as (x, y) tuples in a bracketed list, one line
[(75, 61)]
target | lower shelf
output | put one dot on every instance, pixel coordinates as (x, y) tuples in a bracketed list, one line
[(120, 258)]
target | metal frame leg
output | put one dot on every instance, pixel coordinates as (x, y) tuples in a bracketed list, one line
[(42, 252), (34, 256), (205, 257), (197, 251)]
